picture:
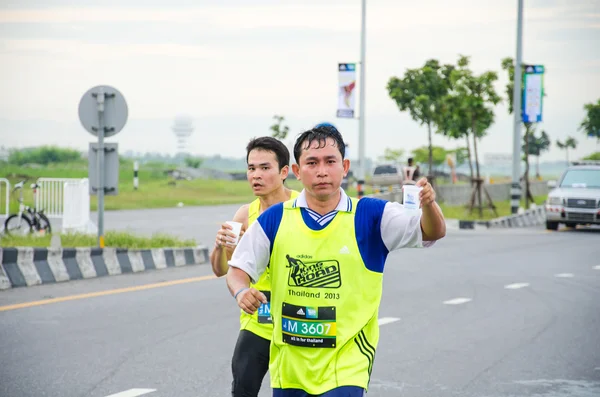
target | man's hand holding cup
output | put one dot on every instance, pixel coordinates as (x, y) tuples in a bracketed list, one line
[(229, 235), (427, 194)]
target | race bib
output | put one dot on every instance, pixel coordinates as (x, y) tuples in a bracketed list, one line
[(264, 311), (309, 326)]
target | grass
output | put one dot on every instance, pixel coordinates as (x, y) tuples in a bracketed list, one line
[(502, 207), (161, 194), (112, 239), (155, 189)]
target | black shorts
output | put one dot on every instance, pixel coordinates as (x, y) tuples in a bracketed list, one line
[(249, 364)]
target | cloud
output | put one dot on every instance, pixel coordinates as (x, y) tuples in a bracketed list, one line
[(344, 18), (95, 51), (96, 14), (244, 61)]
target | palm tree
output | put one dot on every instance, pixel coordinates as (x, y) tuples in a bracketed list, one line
[(570, 142)]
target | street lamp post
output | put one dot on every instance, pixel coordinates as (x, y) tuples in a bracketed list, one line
[(515, 191), (361, 117)]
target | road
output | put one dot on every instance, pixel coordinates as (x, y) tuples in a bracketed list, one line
[(485, 313), (199, 223)]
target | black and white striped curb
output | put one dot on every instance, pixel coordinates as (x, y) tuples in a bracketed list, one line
[(473, 225), (532, 217), (27, 266)]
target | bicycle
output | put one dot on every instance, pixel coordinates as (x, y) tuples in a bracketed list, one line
[(29, 218)]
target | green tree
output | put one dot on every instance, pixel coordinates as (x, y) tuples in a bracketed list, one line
[(455, 124), (472, 99), (593, 156), (193, 162), (591, 124), (43, 155), (453, 120), (392, 155), (467, 109), (421, 155), (420, 92), (535, 146), (569, 143), (279, 131)]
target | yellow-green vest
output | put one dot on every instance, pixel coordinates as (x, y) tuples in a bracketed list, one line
[(324, 305), (260, 323)]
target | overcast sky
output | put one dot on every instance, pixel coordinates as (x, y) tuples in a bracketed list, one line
[(233, 64)]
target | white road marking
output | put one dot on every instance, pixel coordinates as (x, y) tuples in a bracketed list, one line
[(596, 267), (516, 285), (133, 393), (564, 275), (457, 301), (387, 320)]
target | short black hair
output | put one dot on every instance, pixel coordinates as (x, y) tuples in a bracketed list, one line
[(410, 160), (268, 143), (320, 133)]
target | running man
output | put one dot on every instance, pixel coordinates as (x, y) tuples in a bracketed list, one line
[(325, 253), (268, 166)]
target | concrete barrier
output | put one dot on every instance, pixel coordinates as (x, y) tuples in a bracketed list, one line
[(533, 217), (26, 266)]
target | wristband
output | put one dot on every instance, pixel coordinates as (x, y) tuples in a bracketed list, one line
[(237, 293)]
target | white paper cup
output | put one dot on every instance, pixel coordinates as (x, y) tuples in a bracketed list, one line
[(411, 198), (236, 229)]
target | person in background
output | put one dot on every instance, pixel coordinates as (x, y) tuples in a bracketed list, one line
[(268, 166)]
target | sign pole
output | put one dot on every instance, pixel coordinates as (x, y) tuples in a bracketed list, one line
[(100, 187), (103, 113), (515, 190)]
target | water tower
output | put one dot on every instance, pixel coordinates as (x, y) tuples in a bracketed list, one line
[(183, 126)]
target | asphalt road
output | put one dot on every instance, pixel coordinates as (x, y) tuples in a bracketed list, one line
[(492, 313), (199, 223)]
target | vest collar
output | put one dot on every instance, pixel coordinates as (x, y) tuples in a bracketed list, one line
[(345, 204)]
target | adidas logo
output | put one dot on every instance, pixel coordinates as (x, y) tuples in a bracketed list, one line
[(301, 312), (344, 250)]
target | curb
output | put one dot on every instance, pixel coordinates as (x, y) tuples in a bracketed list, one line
[(473, 225), (27, 266), (532, 217)]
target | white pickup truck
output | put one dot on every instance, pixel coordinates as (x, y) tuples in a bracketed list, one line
[(575, 199)]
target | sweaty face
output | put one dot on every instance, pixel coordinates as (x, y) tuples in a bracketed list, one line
[(263, 172), (321, 168)]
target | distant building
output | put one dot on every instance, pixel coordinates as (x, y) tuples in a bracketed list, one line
[(183, 127)]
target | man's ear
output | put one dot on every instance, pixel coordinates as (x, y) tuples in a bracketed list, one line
[(346, 166), (284, 172), (296, 171)]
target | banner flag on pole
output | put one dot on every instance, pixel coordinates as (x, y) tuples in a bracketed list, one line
[(346, 90), (533, 93)]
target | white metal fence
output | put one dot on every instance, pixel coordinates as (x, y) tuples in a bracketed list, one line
[(4, 209), (67, 199), (50, 196)]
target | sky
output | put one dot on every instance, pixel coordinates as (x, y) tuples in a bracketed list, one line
[(233, 64)]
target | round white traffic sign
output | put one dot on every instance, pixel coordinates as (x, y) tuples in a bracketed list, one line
[(103, 102)]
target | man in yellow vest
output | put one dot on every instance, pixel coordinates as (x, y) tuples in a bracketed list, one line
[(325, 253), (268, 166)]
